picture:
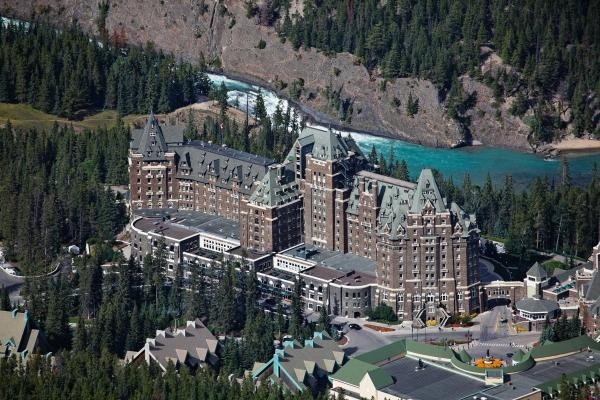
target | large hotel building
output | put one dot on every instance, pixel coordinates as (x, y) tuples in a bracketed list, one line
[(354, 237)]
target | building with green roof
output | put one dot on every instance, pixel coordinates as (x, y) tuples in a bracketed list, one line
[(416, 370), (18, 338), (299, 367)]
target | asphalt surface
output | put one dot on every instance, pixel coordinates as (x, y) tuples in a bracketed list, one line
[(12, 283), (488, 333), (486, 272)]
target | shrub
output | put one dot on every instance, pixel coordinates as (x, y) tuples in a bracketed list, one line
[(261, 44), (383, 313)]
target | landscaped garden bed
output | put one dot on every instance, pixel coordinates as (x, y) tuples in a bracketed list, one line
[(378, 328), (343, 340)]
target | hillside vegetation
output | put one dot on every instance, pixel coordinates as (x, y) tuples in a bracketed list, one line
[(438, 73), (550, 51), (67, 73), (26, 117)]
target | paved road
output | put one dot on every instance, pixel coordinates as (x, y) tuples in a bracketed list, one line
[(489, 333), (12, 283), (486, 272), (492, 325)]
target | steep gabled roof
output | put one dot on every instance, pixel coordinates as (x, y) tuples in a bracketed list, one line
[(192, 345), (17, 337), (537, 271), (294, 362), (426, 193), (325, 144), (230, 167), (277, 187), (152, 144), (593, 290), (354, 371)]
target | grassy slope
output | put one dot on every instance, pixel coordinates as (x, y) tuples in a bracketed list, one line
[(25, 116)]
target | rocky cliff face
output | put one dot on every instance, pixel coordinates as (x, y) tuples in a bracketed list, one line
[(211, 30)]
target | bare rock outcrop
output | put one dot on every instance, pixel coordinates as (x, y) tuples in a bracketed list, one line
[(491, 122), (220, 32)]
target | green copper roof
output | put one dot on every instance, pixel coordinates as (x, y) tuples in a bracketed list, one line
[(379, 378), (429, 350), (583, 375), (565, 347), (277, 187), (383, 353), (464, 356), (354, 371), (426, 191), (518, 355)]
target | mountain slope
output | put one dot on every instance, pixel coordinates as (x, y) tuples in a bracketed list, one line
[(221, 34)]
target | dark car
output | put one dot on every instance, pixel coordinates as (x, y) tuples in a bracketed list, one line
[(354, 326)]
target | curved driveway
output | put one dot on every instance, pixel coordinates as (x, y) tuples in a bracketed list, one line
[(12, 283), (486, 272)]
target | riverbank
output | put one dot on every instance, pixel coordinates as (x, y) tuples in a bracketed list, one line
[(314, 117), (317, 118), (574, 146)]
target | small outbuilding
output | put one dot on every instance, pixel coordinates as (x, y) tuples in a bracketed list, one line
[(536, 308)]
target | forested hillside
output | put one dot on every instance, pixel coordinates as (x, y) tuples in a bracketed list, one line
[(67, 73), (53, 190), (86, 377), (551, 50), (507, 74), (549, 215)]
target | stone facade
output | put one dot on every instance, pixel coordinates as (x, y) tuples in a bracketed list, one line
[(427, 252), (271, 218), (152, 167), (166, 172), (324, 194), (325, 164)]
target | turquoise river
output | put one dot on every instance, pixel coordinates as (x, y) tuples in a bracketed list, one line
[(477, 161)]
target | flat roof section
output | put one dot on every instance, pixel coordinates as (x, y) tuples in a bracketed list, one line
[(206, 254), (387, 179), (340, 277), (324, 273), (248, 254), (196, 220), (330, 258), (429, 383), (165, 229), (542, 372), (279, 274), (226, 151)]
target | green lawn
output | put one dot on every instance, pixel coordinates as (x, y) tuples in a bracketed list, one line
[(25, 116), (551, 265)]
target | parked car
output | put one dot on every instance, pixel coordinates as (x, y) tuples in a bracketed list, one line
[(356, 327)]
